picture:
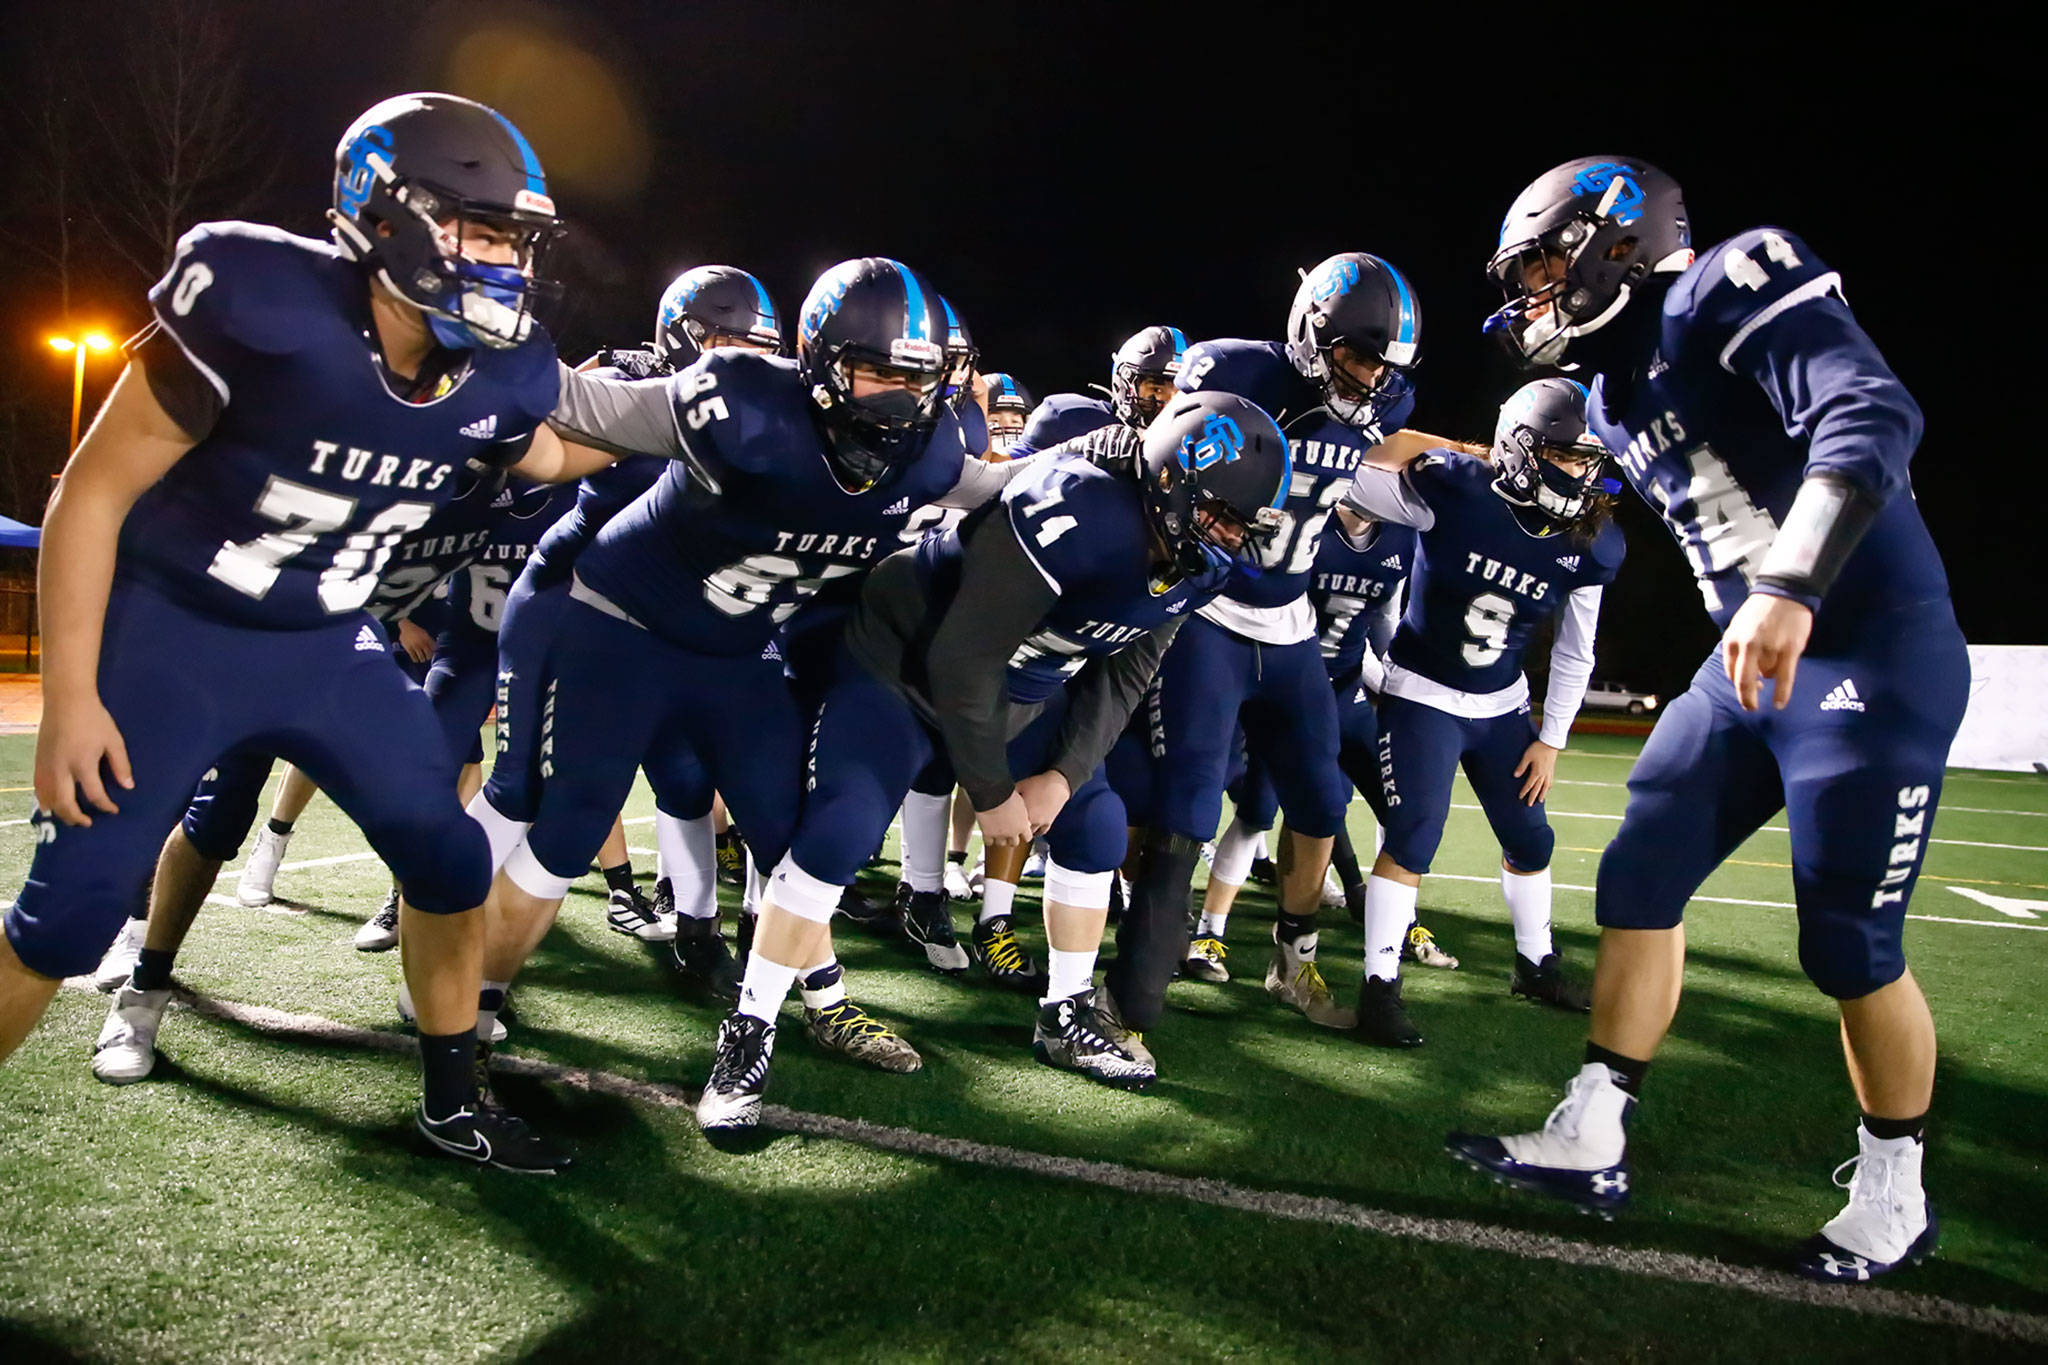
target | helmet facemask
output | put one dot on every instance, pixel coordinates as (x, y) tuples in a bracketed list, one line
[(1555, 292), (870, 436)]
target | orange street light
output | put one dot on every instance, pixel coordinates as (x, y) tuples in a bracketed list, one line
[(77, 347)]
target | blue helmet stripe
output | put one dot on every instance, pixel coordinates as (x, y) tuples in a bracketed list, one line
[(916, 313), (535, 181), (1407, 301), (764, 304), (1180, 343)]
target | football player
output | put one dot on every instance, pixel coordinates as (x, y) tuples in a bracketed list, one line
[(1141, 375), (792, 479), (1746, 404), (1250, 659), (1503, 546), (330, 396), (1009, 410), (1016, 644)]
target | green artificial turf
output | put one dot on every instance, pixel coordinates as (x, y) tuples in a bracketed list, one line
[(260, 1198)]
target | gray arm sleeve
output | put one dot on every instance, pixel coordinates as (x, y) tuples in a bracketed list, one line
[(1002, 600), (980, 482), (1384, 495), (1101, 702), (621, 416)]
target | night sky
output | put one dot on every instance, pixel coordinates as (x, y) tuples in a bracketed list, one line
[(1069, 174)]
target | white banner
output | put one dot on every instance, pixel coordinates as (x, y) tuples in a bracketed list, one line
[(2007, 723)]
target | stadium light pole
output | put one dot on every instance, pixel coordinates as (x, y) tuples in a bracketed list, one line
[(77, 347)]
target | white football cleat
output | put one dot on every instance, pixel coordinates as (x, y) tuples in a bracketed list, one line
[(1333, 890), (412, 1021), (260, 873), (119, 963), (1888, 1223), (126, 1050), (1580, 1153), (1034, 866)]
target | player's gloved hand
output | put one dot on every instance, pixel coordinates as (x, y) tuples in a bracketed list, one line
[(417, 644), (1765, 640), (1045, 795), (76, 735), (1539, 761), (1008, 824)]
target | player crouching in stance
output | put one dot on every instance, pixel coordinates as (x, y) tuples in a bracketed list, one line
[(1019, 642), (1502, 546), (1744, 402), (295, 409)]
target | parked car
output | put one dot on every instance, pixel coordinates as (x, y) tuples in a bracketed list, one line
[(1615, 697)]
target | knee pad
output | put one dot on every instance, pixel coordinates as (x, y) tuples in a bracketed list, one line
[(224, 808), (1634, 890), (1846, 948), (1081, 890), (1530, 850), (444, 868)]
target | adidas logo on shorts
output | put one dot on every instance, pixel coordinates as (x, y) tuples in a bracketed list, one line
[(1843, 698), (483, 429), (368, 639), (897, 508), (1391, 562), (1568, 562)]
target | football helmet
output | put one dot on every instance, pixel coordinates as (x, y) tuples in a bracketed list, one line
[(1356, 300), (713, 301), (1548, 415), (1154, 353), (1589, 233), (1009, 411), (960, 352), (882, 315), (410, 175), (1214, 469)]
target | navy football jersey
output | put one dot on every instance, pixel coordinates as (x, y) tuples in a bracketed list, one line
[(717, 572), (517, 526), (1325, 451), (285, 514), (1060, 418), (1760, 377), (1481, 583), (1350, 589), (600, 496), (1084, 529)]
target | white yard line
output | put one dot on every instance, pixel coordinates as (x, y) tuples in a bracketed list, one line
[(1465, 1234), (1773, 829), (1762, 905)]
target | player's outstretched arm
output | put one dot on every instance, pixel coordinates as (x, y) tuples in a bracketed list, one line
[(1404, 445), (132, 443), (553, 459)]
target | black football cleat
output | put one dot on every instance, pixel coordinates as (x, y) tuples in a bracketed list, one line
[(493, 1136), (1546, 983), (1382, 1019)]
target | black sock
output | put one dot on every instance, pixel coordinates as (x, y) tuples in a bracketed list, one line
[(723, 838), (619, 878), (1628, 1072), (153, 969), (1884, 1129), (278, 826), (448, 1066), (1345, 859), (825, 976), (1287, 928), (960, 857)]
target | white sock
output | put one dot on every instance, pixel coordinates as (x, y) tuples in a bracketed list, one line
[(926, 822), (1528, 899), (996, 899), (1234, 852), (1389, 910), (765, 986), (1212, 925), (1067, 974), (689, 859)]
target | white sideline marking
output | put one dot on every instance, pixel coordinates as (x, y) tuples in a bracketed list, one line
[(1946, 808), (1763, 905), (1678, 1267), (1772, 829)]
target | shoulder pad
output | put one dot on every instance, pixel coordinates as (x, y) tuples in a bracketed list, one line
[(1068, 513), (1448, 470), (1063, 416), (1258, 370), (245, 286), (1735, 288), (1610, 547), (740, 408)]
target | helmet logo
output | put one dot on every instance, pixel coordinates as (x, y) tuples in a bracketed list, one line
[(527, 201), (360, 172), (1218, 442), (1621, 197), (910, 351), (1336, 278), (825, 299)]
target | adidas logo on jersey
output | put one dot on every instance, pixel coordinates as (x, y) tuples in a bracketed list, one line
[(1179, 606), (368, 639), (772, 654), (897, 508), (483, 429), (1843, 698), (1568, 562), (1391, 562)]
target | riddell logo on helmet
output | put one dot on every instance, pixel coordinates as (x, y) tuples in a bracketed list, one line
[(914, 351), (526, 201), (1218, 442)]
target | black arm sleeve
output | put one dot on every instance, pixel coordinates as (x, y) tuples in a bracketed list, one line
[(1002, 599), (186, 396), (1101, 701)]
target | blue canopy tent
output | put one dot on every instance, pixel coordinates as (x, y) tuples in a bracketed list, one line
[(14, 534)]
